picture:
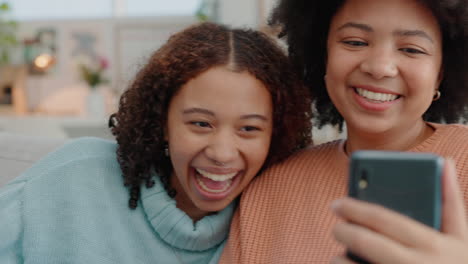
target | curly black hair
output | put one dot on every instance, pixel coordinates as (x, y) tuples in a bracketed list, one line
[(305, 24), (139, 123)]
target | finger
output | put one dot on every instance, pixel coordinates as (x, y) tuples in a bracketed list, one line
[(370, 245), (389, 223), (453, 210)]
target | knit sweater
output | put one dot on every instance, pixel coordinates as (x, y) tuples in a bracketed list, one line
[(284, 216), (72, 207)]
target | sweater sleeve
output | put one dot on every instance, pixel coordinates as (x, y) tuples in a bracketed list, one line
[(11, 223)]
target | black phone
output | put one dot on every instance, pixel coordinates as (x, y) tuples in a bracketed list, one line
[(409, 183)]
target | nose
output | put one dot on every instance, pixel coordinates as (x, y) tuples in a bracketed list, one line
[(222, 148), (380, 64)]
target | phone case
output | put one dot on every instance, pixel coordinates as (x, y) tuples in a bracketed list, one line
[(409, 183)]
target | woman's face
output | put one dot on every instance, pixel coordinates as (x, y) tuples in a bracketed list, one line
[(219, 130), (384, 63)]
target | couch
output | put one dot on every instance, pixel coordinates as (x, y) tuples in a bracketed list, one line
[(18, 152)]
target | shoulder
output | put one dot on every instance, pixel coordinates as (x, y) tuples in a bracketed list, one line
[(309, 161), (450, 140), (452, 129), (450, 137), (83, 173), (306, 175), (82, 155), (83, 148), (313, 155)]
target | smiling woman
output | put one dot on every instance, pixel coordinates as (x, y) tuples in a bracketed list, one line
[(395, 71), (209, 111), (215, 108), (216, 145), (382, 75)]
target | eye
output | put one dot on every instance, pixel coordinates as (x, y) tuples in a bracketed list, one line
[(413, 51), (250, 128), (200, 124), (355, 43)]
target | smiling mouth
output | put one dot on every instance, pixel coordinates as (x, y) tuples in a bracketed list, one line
[(376, 97), (214, 183)]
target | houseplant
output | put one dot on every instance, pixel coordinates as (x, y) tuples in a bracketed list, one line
[(8, 39), (92, 71)]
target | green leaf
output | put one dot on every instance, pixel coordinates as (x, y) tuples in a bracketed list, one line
[(12, 24), (5, 7)]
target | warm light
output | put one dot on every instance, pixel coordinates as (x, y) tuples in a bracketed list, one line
[(43, 61)]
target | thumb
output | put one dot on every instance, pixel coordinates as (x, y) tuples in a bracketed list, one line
[(453, 210)]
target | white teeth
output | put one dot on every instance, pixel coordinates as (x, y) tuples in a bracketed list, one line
[(204, 187), (216, 177), (383, 97)]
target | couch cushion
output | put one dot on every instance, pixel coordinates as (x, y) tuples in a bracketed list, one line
[(19, 152)]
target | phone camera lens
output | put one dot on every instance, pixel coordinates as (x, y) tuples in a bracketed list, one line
[(363, 181)]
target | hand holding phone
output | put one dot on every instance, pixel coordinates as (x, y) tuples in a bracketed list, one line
[(409, 183)]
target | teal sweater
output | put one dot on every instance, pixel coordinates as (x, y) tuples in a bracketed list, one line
[(72, 207)]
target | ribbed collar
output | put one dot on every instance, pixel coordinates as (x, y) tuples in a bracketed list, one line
[(176, 228), (439, 131), (430, 141)]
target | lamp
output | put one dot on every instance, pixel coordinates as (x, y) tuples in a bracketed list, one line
[(39, 52), (43, 62)]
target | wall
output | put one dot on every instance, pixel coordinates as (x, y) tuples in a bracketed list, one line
[(126, 43), (239, 13), (245, 13)]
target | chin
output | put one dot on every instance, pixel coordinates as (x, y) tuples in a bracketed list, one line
[(374, 126), (214, 206)]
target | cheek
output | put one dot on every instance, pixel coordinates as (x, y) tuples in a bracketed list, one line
[(337, 72), (332, 68), (182, 150), (182, 142), (332, 85), (257, 152), (422, 81), (179, 158), (338, 61)]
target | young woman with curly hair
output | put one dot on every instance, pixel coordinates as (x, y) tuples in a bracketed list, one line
[(393, 70), (211, 109)]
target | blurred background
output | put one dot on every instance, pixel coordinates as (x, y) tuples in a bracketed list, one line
[(64, 63)]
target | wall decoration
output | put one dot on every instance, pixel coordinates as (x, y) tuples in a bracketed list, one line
[(40, 52), (85, 46)]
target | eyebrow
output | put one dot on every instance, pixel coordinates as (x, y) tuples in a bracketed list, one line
[(405, 33), (363, 27), (255, 116), (194, 110), (417, 33)]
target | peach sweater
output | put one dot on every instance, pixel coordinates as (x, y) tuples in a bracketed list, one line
[(284, 215)]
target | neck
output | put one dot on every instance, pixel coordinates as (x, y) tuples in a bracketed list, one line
[(189, 208), (184, 203), (397, 139)]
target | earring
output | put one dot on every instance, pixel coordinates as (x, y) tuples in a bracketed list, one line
[(436, 96), (166, 149)]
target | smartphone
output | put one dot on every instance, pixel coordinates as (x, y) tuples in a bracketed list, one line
[(409, 183)]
